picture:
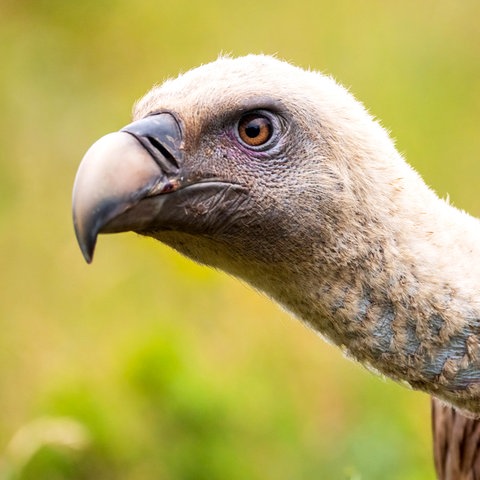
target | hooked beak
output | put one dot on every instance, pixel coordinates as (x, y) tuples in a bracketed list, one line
[(119, 171)]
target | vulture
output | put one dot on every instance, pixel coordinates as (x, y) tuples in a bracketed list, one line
[(280, 177)]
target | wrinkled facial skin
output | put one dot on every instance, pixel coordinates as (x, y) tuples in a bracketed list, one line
[(266, 180)]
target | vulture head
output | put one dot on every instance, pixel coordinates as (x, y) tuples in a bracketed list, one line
[(279, 176)]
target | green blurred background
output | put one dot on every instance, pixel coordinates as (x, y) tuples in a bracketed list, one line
[(144, 365)]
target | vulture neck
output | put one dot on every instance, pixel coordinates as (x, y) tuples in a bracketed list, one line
[(401, 295)]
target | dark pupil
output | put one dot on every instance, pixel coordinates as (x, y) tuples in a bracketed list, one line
[(253, 129)]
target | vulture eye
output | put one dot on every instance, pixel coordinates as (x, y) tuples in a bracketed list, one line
[(255, 129)]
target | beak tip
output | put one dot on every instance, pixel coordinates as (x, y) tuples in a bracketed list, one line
[(88, 256), (86, 241), (87, 249)]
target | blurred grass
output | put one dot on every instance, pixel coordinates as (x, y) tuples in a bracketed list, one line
[(171, 370)]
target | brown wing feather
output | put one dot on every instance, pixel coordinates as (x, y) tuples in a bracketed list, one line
[(456, 443)]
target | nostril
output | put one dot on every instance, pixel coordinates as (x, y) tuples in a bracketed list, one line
[(158, 146), (160, 134)]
